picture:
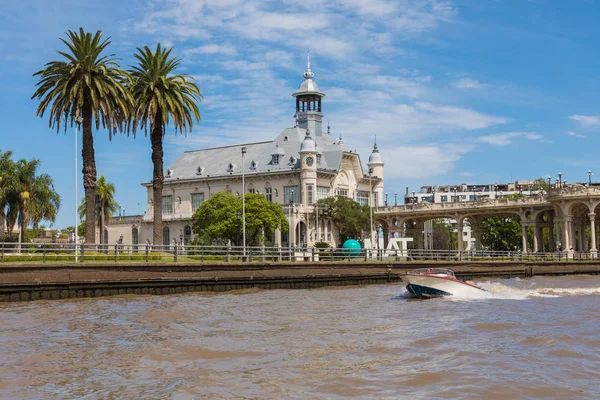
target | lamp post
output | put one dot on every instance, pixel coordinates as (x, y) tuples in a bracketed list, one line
[(520, 191), (496, 190), (414, 198), (455, 197), (371, 206), (181, 241), (386, 195), (590, 178), (549, 178), (243, 206), (290, 209), (238, 216), (560, 178), (395, 198), (433, 195), (78, 121)]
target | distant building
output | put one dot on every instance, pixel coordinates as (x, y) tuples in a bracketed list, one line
[(301, 165), (464, 192)]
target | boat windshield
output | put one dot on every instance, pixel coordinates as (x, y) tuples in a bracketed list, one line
[(434, 271)]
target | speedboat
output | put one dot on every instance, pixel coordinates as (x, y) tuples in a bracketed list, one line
[(437, 282)]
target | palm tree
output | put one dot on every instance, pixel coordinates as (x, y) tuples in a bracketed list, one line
[(37, 198), (105, 204), (159, 95), (87, 87), (7, 169)]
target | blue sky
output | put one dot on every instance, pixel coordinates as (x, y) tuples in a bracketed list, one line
[(457, 91)]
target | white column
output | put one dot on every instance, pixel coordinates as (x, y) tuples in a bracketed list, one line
[(537, 238), (567, 233), (593, 248)]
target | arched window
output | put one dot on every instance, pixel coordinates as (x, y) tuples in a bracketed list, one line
[(166, 238), (134, 238)]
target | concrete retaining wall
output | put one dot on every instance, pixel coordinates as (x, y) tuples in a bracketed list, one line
[(69, 280)]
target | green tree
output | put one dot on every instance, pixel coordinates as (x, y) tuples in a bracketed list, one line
[(159, 95), (501, 233), (105, 204), (216, 221), (37, 198), (86, 87), (443, 238), (350, 218)]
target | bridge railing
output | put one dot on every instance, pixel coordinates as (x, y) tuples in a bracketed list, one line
[(27, 253)]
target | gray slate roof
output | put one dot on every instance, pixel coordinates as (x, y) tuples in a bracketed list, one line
[(215, 162)]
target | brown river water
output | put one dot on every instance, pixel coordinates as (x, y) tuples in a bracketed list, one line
[(533, 338)]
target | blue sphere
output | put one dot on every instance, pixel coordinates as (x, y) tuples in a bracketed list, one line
[(351, 248)]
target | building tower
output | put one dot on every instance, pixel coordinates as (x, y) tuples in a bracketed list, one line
[(308, 170), (308, 103), (375, 165)]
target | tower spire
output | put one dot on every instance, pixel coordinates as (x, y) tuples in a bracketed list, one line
[(308, 74), (375, 150)]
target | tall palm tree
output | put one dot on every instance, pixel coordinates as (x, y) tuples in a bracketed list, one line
[(87, 87), (37, 198), (7, 169), (105, 204), (159, 95)]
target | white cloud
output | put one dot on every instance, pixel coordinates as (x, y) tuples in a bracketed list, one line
[(504, 139), (585, 119), (466, 173), (212, 49), (422, 161), (576, 135), (468, 83)]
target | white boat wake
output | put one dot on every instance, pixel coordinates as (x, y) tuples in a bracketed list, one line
[(499, 290)]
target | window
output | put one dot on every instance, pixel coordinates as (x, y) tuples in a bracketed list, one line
[(269, 194), (310, 194), (252, 190), (253, 165), (473, 197), (318, 159), (197, 199), (444, 199), (230, 167), (362, 197), (342, 192), (199, 170), (166, 238), (375, 199), (292, 194), (167, 205), (322, 192), (292, 161), (275, 159)]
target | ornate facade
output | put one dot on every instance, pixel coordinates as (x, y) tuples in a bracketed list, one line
[(300, 166)]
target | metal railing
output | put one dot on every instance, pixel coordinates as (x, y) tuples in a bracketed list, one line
[(88, 253)]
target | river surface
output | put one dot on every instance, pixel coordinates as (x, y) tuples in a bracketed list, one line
[(533, 338)]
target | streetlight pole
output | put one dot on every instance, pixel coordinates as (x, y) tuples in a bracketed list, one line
[(290, 230), (78, 121), (386, 195), (239, 216), (395, 198), (590, 178), (371, 205), (243, 205)]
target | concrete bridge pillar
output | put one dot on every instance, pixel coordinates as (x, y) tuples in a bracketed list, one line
[(537, 238), (459, 227), (524, 237), (551, 238), (593, 249), (567, 233)]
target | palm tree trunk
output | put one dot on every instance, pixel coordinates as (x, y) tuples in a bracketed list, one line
[(89, 175), (156, 137)]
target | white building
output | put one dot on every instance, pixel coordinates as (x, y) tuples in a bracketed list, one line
[(300, 166)]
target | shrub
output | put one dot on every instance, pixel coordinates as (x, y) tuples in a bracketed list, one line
[(321, 245), (51, 256)]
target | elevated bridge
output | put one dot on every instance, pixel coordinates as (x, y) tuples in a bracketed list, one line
[(562, 218)]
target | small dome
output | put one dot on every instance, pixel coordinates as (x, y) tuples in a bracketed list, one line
[(375, 157), (308, 144), (308, 86)]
